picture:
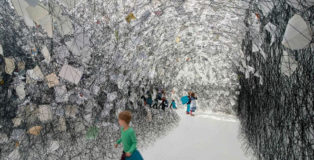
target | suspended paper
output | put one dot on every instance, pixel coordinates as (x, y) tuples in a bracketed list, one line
[(70, 74), (52, 80), (9, 65), (44, 113), (54, 145), (301, 5), (16, 121), (266, 6), (36, 13), (21, 65), (20, 8), (178, 39), (92, 133), (35, 130), (272, 29), (130, 17), (288, 64), (46, 24), (14, 155), (46, 54), (20, 91), (34, 75), (298, 34), (64, 25)]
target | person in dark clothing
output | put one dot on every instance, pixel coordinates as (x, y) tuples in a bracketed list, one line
[(164, 103), (144, 99), (149, 101), (158, 98)]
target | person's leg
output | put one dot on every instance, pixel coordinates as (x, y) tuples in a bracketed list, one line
[(188, 109), (123, 157), (155, 105)]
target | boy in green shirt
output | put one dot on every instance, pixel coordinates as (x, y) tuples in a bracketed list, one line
[(128, 138)]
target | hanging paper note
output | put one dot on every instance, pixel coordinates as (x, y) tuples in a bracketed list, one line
[(52, 80), (46, 54), (130, 17), (272, 29), (298, 33), (9, 65), (178, 39), (92, 133), (70, 74), (35, 130)]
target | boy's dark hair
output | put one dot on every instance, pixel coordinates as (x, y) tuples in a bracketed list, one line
[(126, 116), (193, 94)]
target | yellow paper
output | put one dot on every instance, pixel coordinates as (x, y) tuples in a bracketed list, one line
[(130, 17), (35, 130), (178, 39)]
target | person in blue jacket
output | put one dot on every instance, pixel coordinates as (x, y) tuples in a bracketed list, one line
[(173, 104)]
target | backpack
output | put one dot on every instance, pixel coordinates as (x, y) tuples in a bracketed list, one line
[(184, 99), (149, 101)]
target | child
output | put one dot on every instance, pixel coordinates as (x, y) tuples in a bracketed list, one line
[(189, 103), (173, 104), (128, 138), (163, 104), (193, 103)]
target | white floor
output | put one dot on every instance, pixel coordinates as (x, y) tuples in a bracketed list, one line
[(207, 136)]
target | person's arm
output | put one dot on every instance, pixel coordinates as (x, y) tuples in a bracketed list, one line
[(119, 141), (133, 141)]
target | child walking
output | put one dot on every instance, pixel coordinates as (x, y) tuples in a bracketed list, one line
[(173, 104), (128, 138), (193, 103)]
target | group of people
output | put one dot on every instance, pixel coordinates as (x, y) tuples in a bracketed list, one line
[(160, 100)]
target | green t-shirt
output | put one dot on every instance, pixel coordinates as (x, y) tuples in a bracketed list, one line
[(128, 140)]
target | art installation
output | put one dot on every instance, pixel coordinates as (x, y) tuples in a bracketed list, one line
[(68, 68)]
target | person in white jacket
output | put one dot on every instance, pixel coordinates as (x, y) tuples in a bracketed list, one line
[(193, 103)]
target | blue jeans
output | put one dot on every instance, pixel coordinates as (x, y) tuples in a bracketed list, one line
[(136, 155), (188, 108)]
